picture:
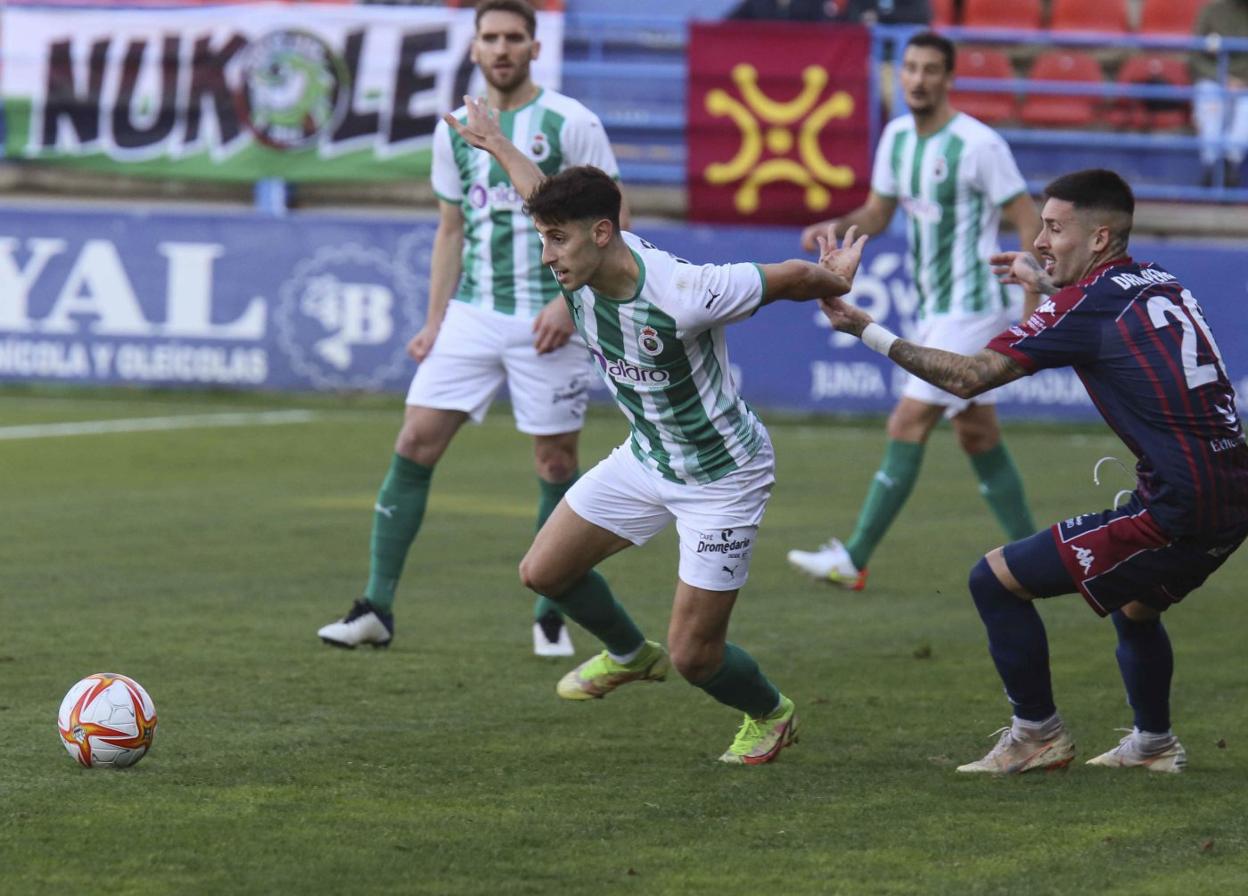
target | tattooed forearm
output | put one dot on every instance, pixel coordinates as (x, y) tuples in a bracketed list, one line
[(965, 376)]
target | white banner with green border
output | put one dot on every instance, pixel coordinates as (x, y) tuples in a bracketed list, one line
[(242, 92)]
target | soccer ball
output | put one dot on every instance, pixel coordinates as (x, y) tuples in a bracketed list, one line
[(107, 721)]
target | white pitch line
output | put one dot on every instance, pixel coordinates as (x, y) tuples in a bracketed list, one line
[(154, 424)]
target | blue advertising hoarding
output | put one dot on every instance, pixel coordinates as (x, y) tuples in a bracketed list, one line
[(327, 303)]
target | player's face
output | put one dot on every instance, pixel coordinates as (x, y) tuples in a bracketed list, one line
[(924, 79), (1067, 245), (503, 49), (571, 252)]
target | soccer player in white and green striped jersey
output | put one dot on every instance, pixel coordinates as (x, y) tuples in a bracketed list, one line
[(955, 178), (697, 454), (491, 319)]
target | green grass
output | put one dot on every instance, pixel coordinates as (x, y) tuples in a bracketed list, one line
[(201, 562)]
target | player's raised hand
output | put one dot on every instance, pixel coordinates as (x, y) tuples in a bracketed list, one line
[(810, 235), (845, 258), (1019, 268), (482, 124), (553, 327)]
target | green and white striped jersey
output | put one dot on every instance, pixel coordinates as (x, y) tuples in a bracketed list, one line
[(663, 357), (502, 259), (951, 185)]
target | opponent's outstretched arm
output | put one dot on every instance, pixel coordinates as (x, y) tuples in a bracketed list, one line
[(964, 375), (483, 132)]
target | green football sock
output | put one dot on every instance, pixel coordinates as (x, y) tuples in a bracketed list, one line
[(397, 515), (590, 604), (739, 683), (889, 490), (1002, 488), (549, 495)]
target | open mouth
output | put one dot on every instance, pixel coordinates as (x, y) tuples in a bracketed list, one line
[(1049, 263)]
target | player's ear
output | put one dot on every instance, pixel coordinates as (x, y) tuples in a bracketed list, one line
[(602, 231), (537, 50)]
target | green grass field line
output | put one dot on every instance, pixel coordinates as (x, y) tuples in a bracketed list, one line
[(201, 562)]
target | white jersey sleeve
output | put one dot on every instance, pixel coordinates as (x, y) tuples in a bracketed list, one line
[(883, 177), (447, 182), (586, 143), (994, 171), (725, 294)]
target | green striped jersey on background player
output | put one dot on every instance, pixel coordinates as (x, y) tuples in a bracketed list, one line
[(663, 357), (502, 259), (951, 184)]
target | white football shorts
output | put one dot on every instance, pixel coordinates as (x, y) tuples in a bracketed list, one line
[(717, 522), (966, 336), (477, 350)]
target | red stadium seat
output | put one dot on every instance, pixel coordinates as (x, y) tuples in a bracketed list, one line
[(943, 13), (1170, 16), (1089, 15), (1063, 110), (995, 14), (980, 62), (1152, 115)]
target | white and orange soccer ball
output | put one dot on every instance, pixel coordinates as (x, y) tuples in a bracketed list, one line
[(107, 721)]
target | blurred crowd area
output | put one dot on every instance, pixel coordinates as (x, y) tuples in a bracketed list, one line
[(1149, 85)]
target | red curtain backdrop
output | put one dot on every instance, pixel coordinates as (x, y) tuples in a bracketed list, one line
[(777, 121)]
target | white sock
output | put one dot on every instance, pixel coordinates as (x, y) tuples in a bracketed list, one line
[(1042, 730), (625, 658), (1152, 742)]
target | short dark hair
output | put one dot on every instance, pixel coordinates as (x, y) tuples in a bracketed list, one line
[(936, 41), (1097, 190), (1093, 188), (519, 7), (576, 194)]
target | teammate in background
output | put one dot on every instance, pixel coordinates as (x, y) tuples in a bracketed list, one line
[(955, 179), (697, 454), (1145, 352), (502, 324)]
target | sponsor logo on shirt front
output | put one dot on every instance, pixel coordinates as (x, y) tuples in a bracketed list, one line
[(628, 373), (498, 196)]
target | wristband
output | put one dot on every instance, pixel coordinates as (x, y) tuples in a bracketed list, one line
[(878, 339)]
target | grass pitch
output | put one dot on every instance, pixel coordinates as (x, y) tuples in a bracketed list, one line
[(201, 562)]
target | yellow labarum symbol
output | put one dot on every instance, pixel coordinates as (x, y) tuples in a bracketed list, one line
[(813, 171)]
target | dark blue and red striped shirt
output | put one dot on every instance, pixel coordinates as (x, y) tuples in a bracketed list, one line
[(1143, 349)]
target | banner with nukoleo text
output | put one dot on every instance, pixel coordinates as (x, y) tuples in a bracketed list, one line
[(304, 92)]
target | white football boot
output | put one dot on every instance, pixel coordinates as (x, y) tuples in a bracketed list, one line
[(364, 624), (1129, 753), (1016, 753), (830, 563)]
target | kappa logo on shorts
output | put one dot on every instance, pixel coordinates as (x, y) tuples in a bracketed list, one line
[(1085, 558), (343, 316)]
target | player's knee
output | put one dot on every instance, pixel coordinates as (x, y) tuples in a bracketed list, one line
[(696, 662), (555, 463), (984, 585), (537, 576)]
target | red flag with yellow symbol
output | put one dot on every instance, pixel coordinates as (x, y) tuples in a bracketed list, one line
[(778, 125)]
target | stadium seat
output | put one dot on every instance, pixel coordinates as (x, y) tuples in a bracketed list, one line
[(1152, 115), (1063, 110), (1089, 15), (943, 13), (1169, 16), (990, 108), (995, 14)]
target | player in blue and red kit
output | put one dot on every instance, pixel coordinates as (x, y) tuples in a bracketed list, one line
[(1141, 344)]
